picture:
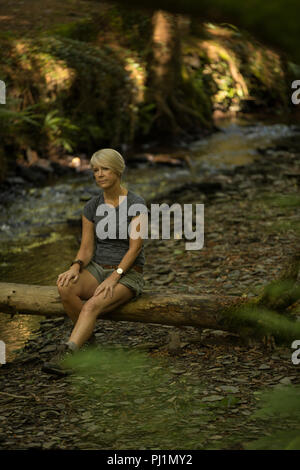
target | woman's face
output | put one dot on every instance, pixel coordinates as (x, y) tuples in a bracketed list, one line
[(105, 177)]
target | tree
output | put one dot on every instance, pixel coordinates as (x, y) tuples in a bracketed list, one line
[(179, 107)]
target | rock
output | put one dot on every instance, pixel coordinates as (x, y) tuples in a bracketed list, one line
[(50, 348), (229, 388), (15, 180), (34, 445), (48, 445), (142, 346), (43, 166), (174, 345), (285, 381), (62, 169), (213, 398), (170, 278), (33, 174), (264, 367)]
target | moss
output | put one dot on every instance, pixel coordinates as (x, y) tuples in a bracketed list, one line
[(198, 97), (84, 30), (254, 320), (241, 67), (88, 88)]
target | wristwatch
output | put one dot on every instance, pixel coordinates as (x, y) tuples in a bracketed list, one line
[(81, 263), (120, 271)]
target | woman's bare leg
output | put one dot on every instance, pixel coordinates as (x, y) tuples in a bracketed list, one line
[(74, 293), (94, 307)]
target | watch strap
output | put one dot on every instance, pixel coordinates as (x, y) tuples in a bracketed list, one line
[(81, 263)]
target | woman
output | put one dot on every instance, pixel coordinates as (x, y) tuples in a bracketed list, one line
[(108, 268)]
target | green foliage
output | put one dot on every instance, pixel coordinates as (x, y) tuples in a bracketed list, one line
[(59, 130), (87, 94), (262, 322), (136, 401), (21, 125), (282, 402), (11, 117), (83, 30), (101, 89), (82, 94), (18, 125), (287, 200), (146, 113), (239, 67), (281, 293), (132, 27), (15, 129), (198, 95)]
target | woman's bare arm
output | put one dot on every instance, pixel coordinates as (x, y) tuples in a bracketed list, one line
[(135, 245), (87, 245), (85, 253)]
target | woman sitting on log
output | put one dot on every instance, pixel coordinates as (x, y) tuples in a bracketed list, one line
[(108, 268)]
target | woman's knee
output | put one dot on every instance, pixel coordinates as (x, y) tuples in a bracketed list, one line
[(66, 292), (91, 308)]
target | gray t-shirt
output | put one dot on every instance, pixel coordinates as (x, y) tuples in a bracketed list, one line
[(110, 247)]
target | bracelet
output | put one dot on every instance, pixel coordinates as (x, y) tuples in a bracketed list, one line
[(81, 263)]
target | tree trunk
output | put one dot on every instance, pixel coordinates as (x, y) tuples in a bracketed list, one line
[(165, 84), (164, 65)]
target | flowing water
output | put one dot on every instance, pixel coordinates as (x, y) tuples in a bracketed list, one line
[(38, 238)]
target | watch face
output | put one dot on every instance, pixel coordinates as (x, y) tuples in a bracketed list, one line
[(119, 270)]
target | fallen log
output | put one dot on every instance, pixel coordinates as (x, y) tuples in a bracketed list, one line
[(152, 307), (235, 314)]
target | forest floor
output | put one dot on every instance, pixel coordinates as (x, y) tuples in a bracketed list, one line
[(134, 393)]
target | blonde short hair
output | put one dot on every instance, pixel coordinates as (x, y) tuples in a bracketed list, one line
[(109, 158)]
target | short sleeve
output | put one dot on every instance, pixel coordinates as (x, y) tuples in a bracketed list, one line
[(89, 209), (143, 209)]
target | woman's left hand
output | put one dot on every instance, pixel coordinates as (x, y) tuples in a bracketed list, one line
[(107, 286)]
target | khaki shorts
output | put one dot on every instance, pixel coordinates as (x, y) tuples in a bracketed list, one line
[(132, 279)]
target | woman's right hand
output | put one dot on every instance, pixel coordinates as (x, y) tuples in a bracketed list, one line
[(64, 278)]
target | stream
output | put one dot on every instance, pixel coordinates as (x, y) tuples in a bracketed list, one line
[(39, 230)]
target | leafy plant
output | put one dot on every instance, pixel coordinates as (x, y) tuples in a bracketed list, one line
[(282, 402), (59, 130), (136, 400), (10, 117)]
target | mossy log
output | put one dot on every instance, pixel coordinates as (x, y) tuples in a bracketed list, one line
[(234, 314), (281, 293)]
